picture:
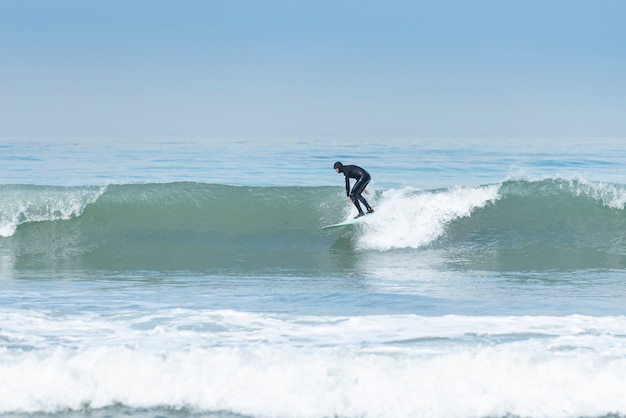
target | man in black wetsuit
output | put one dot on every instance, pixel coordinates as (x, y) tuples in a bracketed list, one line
[(362, 179)]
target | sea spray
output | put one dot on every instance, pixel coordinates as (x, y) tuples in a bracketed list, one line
[(21, 204)]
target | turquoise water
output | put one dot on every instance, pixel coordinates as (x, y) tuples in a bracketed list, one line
[(191, 278)]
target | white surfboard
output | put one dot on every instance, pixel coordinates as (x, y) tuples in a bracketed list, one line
[(346, 223)]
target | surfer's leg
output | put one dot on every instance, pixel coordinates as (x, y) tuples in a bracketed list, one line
[(369, 208), (358, 188), (355, 200)]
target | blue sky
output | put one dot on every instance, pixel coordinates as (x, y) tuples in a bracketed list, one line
[(242, 68)]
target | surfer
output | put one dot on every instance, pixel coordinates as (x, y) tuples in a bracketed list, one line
[(362, 180)]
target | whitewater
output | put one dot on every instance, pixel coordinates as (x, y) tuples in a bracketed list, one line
[(190, 278)]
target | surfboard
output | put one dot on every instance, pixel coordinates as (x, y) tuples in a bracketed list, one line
[(346, 223)]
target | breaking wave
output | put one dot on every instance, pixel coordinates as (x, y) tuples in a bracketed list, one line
[(209, 226)]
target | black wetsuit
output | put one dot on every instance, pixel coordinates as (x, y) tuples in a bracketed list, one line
[(362, 180)]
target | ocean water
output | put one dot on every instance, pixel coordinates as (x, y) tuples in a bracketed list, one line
[(190, 278)]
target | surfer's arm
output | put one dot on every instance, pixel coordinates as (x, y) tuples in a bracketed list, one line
[(347, 186)]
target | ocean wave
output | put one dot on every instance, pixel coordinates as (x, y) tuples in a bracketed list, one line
[(206, 226), (513, 214)]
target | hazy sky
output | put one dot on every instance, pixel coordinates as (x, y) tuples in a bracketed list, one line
[(295, 68)]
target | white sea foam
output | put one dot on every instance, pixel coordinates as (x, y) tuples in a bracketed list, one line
[(300, 366), (406, 218)]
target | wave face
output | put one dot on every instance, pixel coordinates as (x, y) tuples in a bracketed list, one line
[(550, 224), (518, 224), (163, 226)]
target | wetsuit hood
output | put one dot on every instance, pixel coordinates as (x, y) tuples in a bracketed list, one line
[(339, 166)]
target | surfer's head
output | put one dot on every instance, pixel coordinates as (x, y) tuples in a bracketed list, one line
[(338, 167)]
